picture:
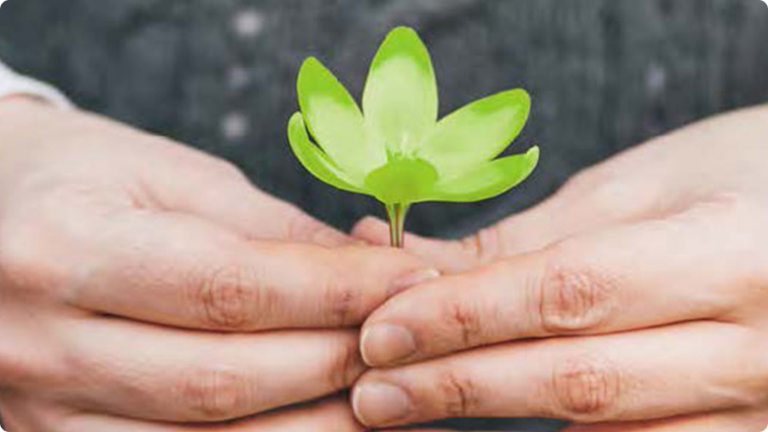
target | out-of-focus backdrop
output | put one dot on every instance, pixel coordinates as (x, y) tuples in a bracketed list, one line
[(219, 74)]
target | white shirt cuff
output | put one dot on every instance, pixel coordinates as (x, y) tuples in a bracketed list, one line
[(12, 83)]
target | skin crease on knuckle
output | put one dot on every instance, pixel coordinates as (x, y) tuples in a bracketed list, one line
[(345, 298), (214, 394), (463, 321), (228, 298), (572, 297), (584, 388), (460, 396), (342, 300), (486, 245)]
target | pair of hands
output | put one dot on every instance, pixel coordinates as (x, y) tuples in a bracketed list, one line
[(147, 287)]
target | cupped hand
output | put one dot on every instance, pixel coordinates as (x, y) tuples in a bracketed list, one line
[(141, 282), (635, 299)]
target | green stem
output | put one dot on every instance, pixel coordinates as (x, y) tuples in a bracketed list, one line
[(396, 214)]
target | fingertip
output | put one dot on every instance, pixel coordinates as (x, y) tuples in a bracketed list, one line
[(383, 345), (380, 403), (385, 342), (371, 230)]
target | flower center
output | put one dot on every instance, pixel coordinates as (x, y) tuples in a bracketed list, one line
[(402, 179)]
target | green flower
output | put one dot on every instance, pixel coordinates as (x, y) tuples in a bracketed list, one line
[(397, 151)]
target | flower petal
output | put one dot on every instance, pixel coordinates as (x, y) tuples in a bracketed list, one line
[(314, 160), (477, 132), (335, 120), (489, 179), (400, 97)]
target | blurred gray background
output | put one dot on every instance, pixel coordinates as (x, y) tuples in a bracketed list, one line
[(220, 74)]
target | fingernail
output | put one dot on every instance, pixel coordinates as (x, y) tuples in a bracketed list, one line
[(383, 344), (379, 404), (403, 283)]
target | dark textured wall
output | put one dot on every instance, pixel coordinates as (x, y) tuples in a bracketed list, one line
[(219, 74)]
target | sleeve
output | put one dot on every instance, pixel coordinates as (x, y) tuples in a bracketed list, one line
[(12, 83)]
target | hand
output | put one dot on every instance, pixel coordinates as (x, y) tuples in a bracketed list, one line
[(142, 280), (331, 415), (636, 299)]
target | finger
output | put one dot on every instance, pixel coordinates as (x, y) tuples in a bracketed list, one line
[(628, 277), (423, 430), (178, 270), (736, 421), (592, 200), (325, 416), (449, 256), (190, 181), (161, 374), (657, 373)]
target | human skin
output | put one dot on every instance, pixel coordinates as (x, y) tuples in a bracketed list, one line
[(148, 287), (634, 300)]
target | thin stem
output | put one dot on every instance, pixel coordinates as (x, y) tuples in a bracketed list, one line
[(396, 214)]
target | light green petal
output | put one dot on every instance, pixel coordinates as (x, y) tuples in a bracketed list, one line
[(314, 160), (400, 97), (489, 179), (335, 120), (477, 132)]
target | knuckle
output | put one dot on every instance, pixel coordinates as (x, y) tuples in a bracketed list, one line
[(347, 364), (23, 260), (460, 395), (605, 191), (228, 169), (613, 195), (585, 389), (343, 301), (573, 297), (223, 168), (214, 394), (218, 167), (227, 298), (300, 226), (464, 322), (580, 182), (486, 244)]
